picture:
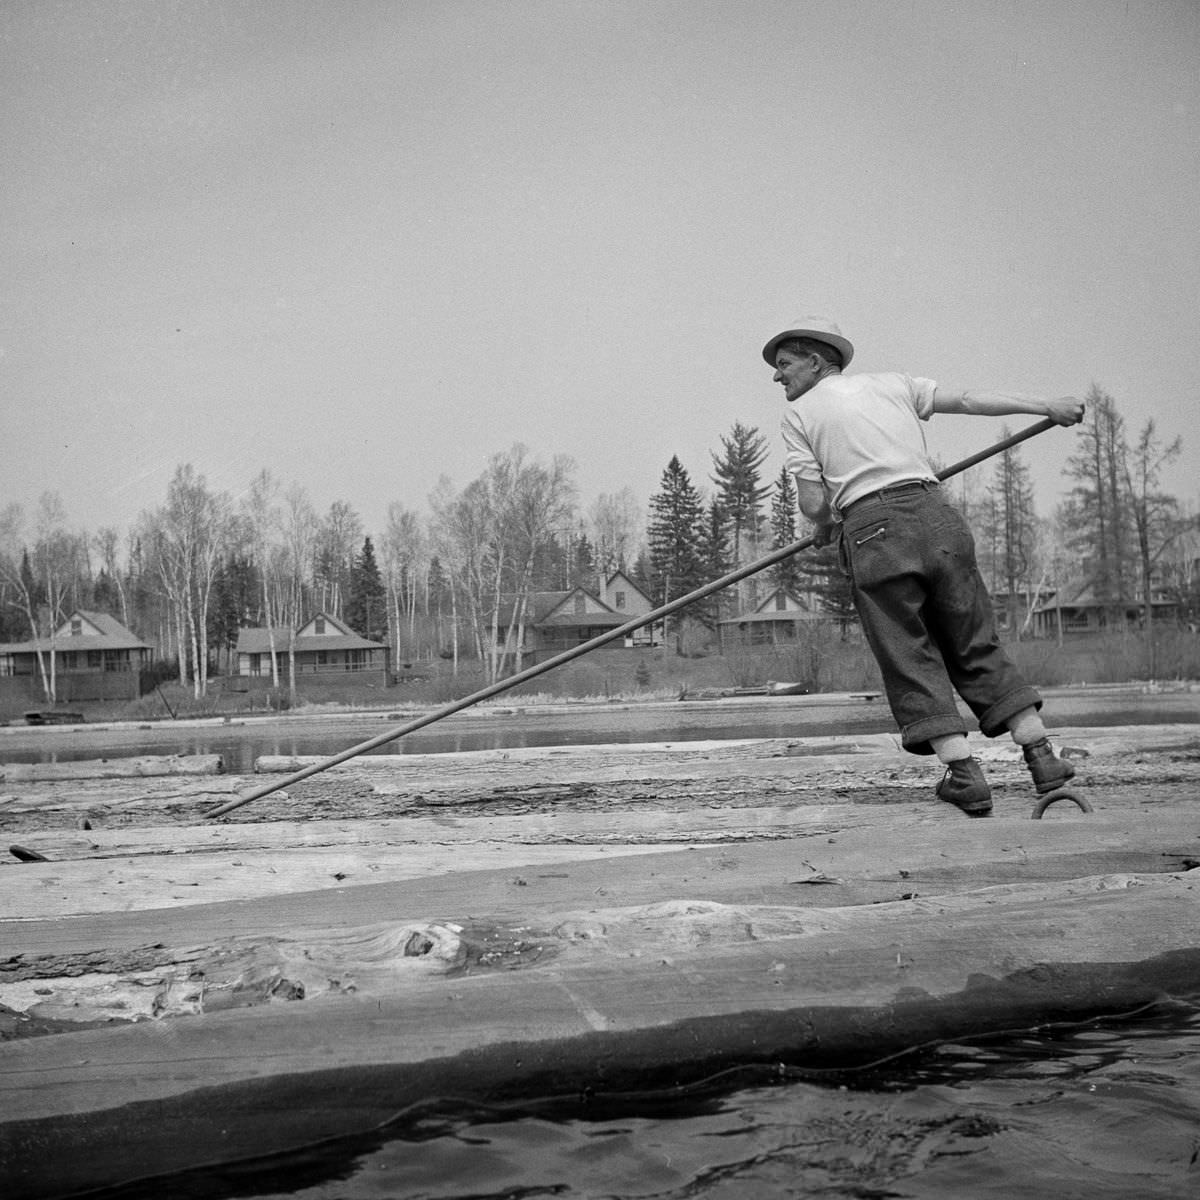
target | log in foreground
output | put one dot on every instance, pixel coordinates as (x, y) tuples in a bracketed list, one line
[(641, 998)]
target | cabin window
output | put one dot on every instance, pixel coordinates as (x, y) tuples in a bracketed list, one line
[(319, 625), (780, 602), (6, 665), (619, 600), (76, 626), (580, 603)]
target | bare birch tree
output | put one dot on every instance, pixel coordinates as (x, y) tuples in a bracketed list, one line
[(57, 558), (615, 520), (492, 533), (1099, 517), (337, 538), (451, 559), (20, 584), (192, 528), (299, 530), (263, 517), (405, 552), (1156, 518), (543, 501), (106, 540)]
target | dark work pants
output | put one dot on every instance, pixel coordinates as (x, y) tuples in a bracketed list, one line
[(927, 616)]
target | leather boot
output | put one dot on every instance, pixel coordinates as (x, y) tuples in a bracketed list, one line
[(1048, 770), (964, 786)]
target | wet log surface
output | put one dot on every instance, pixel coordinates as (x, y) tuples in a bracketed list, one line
[(175, 989)]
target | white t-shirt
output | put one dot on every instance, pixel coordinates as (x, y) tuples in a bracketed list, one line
[(858, 433)]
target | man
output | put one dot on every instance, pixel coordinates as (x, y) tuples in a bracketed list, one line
[(856, 447)]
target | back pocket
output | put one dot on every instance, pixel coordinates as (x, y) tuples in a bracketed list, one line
[(869, 552)]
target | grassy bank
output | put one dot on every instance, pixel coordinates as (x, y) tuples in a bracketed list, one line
[(822, 663)]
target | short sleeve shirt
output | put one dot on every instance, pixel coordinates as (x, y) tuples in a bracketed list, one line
[(859, 433)]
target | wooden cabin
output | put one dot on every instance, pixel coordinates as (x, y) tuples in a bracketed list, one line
[(1075, 608), (327, 650), (776, 620), (624, 596), (90, 656), (558, 621)]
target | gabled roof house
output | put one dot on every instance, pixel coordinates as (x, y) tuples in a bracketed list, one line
[(1075, 608), (777, 618), (91, 656), (326, 650), (557, 621)]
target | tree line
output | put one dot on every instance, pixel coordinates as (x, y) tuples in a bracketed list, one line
[(462, 580)]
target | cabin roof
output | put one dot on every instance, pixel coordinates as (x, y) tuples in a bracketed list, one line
[(112, 635), (257, 640)]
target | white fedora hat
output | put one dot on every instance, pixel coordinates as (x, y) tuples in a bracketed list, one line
[(820, 329)]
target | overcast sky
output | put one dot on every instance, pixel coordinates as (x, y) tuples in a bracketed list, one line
[(364, 244)]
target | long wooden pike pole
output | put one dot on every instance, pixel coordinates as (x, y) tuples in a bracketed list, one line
[(566, 656)]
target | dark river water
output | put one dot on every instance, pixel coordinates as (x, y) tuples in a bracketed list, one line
[(505, 727), (1108, 1109)]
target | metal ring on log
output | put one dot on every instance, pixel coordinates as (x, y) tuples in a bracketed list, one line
[(1061, 794)]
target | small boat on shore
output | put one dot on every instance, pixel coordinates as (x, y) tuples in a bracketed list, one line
[(786, 689), (770, 688), (53, 717)]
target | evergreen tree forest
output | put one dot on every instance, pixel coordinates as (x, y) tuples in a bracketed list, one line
[(460, 580)]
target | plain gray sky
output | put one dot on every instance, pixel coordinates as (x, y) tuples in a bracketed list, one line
[(368, 243)]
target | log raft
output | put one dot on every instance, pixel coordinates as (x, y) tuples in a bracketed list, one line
[(530, 923)]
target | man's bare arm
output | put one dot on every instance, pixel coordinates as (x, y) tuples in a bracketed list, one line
[(1063, 410), (814, 504)]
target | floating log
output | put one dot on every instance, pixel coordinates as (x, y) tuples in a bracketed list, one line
[(114, 768), (635, 999)]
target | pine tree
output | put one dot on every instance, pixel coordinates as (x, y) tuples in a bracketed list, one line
[(367, 611), (716, 559), (674, 534), (583, 563), (1008, 532), (736, 474), (235, 598), (741, 493), (105, 597), (783, 529)]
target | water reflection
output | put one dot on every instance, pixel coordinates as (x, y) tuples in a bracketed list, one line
[(240, 744)]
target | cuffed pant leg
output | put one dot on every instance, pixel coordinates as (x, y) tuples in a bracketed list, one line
[(915, 680), (978, 667), (994, 721)]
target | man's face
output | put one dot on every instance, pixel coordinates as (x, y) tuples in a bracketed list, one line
[(796, 372)]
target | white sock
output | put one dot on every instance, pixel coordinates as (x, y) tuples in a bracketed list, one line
[(950, 747), (1026, 727)]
